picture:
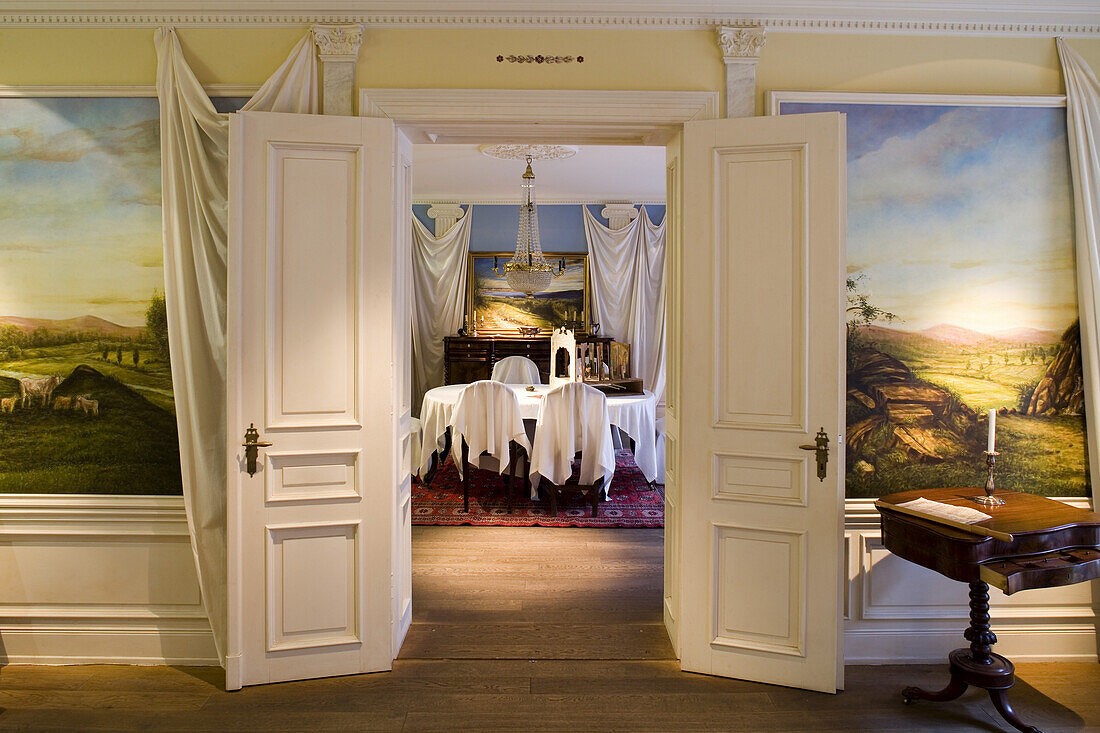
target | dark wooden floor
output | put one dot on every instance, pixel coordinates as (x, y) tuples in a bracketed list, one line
[(529, 629)]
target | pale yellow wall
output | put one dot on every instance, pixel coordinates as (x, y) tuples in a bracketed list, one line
[(63, 56), (933, 64), (614, 59)]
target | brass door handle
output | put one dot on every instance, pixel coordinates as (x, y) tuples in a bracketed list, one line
[(252, 445), (821, 448)]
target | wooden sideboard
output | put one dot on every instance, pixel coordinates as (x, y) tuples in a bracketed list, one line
[(470, 358)]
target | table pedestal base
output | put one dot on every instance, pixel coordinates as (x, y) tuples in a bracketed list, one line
[(977, 666)]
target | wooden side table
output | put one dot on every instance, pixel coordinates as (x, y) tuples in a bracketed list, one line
[(1030, 542)]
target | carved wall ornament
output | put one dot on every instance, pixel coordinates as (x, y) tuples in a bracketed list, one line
[(538, 59), (741, 42), (338, 42), (445, 216), (619, 215), (508, 151)]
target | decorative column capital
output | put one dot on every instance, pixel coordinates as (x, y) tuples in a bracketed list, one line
[(445, 215), (619, 215), (741, 44), (338, 42), (740, 47)]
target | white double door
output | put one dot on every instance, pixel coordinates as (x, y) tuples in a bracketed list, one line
[(319, 543)]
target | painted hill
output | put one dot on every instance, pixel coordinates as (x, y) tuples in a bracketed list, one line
[(945, 333), (93, 324), (130, 447), (1029, 336), (956, 335)]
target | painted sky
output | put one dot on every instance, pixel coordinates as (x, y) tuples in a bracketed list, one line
[(961, 214), (80, 222)]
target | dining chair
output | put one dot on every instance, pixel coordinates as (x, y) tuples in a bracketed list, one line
[(573, 424), (487, 425), (516, 370)]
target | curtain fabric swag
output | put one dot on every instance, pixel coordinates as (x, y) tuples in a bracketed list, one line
[(194, 141), (1083, 128), (627, 268), (439, 298)]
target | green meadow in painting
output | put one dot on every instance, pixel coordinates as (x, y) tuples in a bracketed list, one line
[(961, 298), (85, 385)]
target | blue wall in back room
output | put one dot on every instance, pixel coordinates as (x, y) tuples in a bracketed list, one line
[(561, 226)]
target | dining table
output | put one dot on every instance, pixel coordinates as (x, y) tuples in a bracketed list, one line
[(632, 414)]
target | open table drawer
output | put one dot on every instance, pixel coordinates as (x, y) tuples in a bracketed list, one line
[(1044, 570)]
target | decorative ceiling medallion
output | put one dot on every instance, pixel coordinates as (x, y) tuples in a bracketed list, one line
[(538, 59), (508, 151)]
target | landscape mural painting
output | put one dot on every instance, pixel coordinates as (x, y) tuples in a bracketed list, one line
[(961, 296), (501, 310), (85, 386)]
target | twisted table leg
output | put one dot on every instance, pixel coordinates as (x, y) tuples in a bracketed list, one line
[(978, 665)]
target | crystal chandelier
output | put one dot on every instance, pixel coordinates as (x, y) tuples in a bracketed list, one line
[(528, 271)]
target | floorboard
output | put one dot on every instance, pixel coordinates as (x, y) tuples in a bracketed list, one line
[(529, 629)]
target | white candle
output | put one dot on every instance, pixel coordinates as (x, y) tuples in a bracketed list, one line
[(992, 430)]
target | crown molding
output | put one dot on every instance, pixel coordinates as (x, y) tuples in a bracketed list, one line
[(542, 202), (105, 90), (964, 17)]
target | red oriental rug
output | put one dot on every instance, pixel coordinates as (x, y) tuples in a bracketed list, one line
[(632, 502)]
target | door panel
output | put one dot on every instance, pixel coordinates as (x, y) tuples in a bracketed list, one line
[(671, 609), (314, 357), (761, 315), (401, 533)]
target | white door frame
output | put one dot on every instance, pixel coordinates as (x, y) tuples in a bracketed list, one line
[(578, 117)]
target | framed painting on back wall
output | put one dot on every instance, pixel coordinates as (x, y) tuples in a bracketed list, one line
[(961, 289), (86, 400), (500, 310)]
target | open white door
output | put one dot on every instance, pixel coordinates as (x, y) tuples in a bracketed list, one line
[(317, 345), (757, 369)]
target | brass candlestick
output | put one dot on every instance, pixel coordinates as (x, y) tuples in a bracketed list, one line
[(989, 499)]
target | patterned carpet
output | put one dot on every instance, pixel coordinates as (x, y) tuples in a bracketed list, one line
[(632, 503)]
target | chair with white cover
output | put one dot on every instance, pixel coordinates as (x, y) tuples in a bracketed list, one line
[(488, 425), (573, 421), (516, 370)]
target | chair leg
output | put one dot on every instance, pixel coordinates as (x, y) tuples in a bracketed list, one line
[(525, 484), (465, 477), (553, 500), (430, 474), (446, 446), (512, 459)]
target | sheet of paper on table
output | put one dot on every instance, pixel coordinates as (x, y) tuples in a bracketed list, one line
[(963, 514)]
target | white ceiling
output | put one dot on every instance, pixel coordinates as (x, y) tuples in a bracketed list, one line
[(596, 174)]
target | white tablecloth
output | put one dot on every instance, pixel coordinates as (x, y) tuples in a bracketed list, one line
[(635, 415)]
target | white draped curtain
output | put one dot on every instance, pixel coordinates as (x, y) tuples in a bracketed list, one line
[(439, 295), (194, 142), (627, 274), (1083, 125)]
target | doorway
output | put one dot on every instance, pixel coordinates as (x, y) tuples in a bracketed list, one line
[(739, 510), (521, 583)]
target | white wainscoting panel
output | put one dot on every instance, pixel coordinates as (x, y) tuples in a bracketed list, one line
[(898, 612), (93, 579)]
